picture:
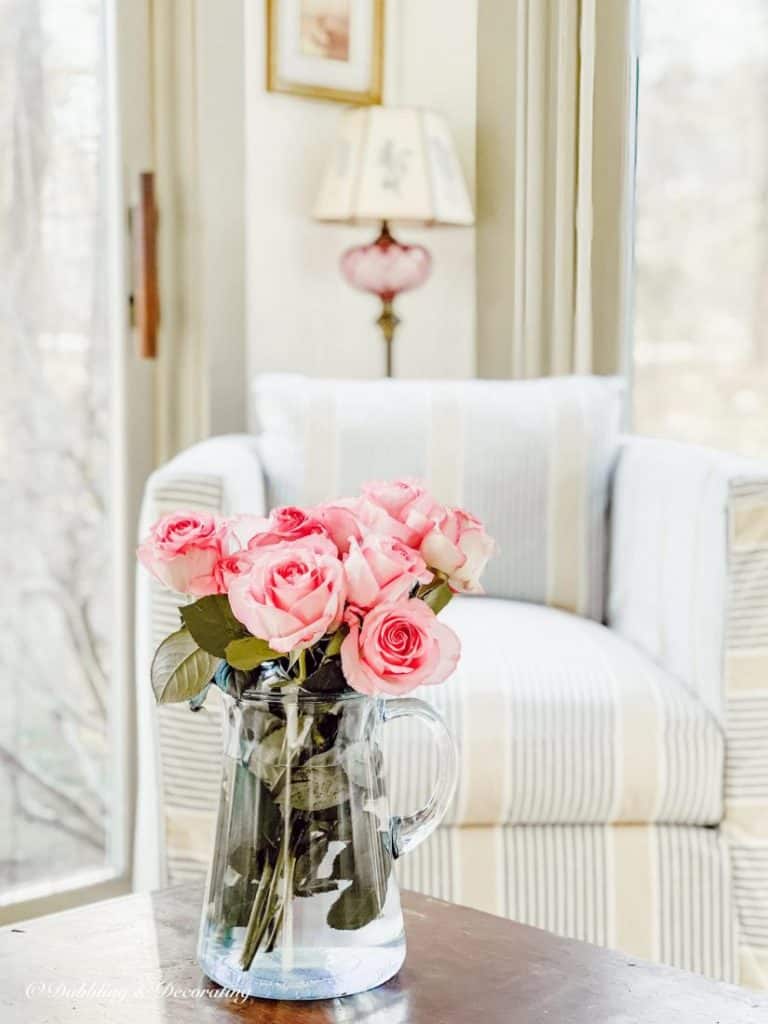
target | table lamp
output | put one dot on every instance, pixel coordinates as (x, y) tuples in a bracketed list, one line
[(392, 164)]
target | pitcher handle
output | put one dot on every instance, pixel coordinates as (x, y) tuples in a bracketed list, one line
[(410, 830)]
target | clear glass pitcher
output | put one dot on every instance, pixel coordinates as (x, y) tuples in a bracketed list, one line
[(302, 901)]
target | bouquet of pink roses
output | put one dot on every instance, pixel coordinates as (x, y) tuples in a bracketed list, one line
[(310, 604), (343, 594)]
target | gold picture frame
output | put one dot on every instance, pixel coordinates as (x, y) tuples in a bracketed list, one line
[(281, 79)]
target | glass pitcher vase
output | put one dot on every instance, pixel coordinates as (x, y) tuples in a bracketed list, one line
[(302, 901)]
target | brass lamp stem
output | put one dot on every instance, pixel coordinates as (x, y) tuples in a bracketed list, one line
[(388, 322)]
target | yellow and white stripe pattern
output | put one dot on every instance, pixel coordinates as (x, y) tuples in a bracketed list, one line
[(746, 690), (531, 458), (660, 892), (560, 721)]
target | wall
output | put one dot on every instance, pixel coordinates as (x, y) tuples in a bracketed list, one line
[(301, 315)]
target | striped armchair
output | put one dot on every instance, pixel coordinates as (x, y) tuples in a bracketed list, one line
[(611, 707)]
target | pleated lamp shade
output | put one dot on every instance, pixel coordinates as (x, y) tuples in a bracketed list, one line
[(395, 164)]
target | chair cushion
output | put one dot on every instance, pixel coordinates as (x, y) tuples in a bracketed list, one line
[(531, 458), (560, 720)]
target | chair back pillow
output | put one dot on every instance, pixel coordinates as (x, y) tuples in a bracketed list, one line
[(531, 458)]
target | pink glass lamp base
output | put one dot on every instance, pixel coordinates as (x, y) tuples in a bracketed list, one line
[(385, 268)]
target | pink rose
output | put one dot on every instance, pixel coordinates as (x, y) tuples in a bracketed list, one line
[(399, 646), (182, 551), (231, 566), (342, 521), (382, 569), (458, 546), (402, 509), (286, 525), (291, 597)]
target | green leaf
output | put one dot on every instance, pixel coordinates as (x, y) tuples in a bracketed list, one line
[(319, 783), (212, 624), (316, 887), (343, 867), (268, 757), (180, 670), (334, 644), (438, 598), (307, 867), (355, 908), (249, 652), (240, 863), (336, 822), (269, 823), (329, 678)]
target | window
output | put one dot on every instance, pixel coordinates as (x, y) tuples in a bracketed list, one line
[(67, 500), (701, 247), (55, 561)]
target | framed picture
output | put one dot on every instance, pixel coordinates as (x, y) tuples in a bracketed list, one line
[(326, 49)]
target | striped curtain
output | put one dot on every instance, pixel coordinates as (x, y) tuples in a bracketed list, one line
[(555, 136)]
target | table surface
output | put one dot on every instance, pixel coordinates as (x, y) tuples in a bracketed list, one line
[(133, 960)]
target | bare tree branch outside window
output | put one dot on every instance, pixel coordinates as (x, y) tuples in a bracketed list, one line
[(54, 442)]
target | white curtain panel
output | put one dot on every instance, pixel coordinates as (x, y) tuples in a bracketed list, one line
[(196, 152), (555, 140)]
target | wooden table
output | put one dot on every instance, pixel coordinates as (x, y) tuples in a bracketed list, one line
[(132, 961)]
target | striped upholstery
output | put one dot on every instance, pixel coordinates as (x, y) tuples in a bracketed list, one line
[(585, 733), (567, 724), (658, 892), (668, 566), (690, 586), (189, 745), (531, 458), (746, 690), (180, 753)]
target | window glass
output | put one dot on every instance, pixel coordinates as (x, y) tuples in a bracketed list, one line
[(701, 248), (56, 603)]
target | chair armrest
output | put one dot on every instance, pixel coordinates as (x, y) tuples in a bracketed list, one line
[(689, 584), (689, 564), (221, 475)]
